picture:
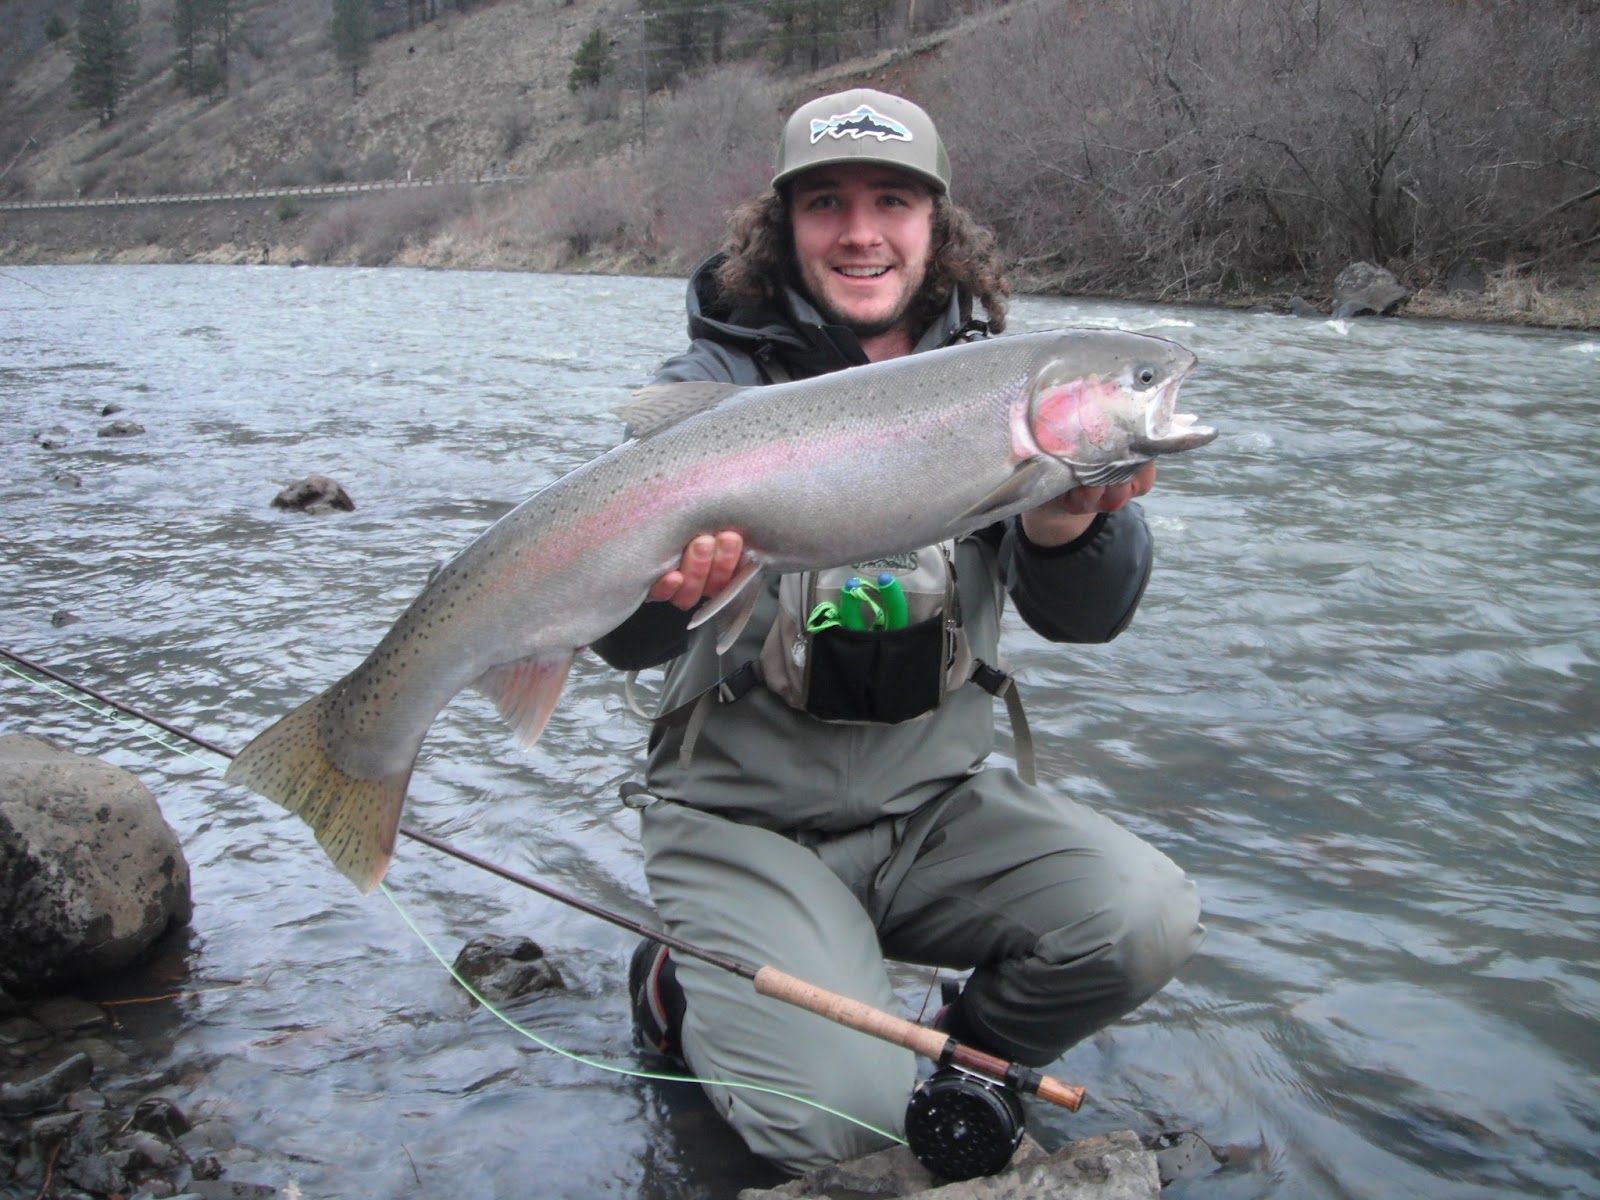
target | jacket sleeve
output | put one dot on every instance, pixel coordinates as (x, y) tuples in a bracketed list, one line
[(657, 631), (1086, 590)]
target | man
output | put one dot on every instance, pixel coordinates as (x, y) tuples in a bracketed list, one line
[(822, 847)]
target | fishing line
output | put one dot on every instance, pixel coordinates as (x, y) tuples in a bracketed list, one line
[(114, 708)]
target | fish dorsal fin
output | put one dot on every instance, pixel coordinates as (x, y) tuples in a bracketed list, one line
[(662, 405), (1015, 489)]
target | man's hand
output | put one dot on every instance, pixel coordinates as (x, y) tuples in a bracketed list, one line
[(1067, 517), (708, 563)]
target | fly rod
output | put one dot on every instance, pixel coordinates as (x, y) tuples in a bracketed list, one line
[(767, 980)]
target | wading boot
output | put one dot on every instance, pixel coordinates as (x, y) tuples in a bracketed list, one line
[(657, 1000)]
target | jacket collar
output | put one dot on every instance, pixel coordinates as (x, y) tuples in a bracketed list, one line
[(791, 327)]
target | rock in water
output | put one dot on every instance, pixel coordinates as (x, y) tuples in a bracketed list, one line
[(501, 969), (314, 493), (90, 874), (1363, 288)]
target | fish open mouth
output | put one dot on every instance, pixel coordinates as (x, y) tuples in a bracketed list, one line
[(1167, 431)]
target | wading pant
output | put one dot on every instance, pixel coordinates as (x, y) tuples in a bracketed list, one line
[(1068, 920)]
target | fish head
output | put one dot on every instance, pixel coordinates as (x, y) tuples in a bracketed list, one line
[(1103, 397)]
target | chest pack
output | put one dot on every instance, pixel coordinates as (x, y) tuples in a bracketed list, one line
[(900, 666), (870, 643)]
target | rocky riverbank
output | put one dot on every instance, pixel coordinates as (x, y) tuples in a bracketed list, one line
[(412, 232)]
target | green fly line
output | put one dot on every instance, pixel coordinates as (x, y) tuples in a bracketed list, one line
[(141, 729)]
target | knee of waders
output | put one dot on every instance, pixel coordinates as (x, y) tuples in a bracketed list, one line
[(1151, 932)]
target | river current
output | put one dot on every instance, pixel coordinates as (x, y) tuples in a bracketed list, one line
[(1360, 705)]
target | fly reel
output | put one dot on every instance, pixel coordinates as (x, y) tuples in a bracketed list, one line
[(960, 1125)]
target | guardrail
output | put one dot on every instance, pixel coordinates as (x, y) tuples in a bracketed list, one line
[(316, 189)]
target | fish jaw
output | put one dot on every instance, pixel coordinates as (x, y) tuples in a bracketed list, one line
[(1118, 411), (1167, 431)]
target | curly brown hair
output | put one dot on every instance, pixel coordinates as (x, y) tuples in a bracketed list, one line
[(759, 262)]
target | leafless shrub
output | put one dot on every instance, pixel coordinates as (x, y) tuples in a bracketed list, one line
[(331, 234), (710, 150), (1175, 146), (584, 210)]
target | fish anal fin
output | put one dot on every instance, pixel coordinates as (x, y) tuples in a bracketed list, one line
[(525, 693), (733, 605), (354, 819), (662, 405)]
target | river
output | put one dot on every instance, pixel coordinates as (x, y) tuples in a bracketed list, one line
[(1360, 704)]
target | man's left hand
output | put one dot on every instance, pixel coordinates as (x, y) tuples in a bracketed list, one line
[(1068, 517)]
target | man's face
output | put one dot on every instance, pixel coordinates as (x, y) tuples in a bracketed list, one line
[(862, 238)]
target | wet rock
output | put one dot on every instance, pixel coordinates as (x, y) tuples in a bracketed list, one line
[(1183, 1155), (63, 618), (1114, 1167), (22, 1031), (47, 1088), (111, 409), (158, 1115), (206, 1167), (120, 429), (53, 438), (66, 479), (504, 968), (314, 493), (106, 1056), (67, 1015), (85, 1100), (1363, 288), (1299, 306), (90, 874)]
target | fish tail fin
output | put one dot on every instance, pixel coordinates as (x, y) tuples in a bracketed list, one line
[(354, 819)]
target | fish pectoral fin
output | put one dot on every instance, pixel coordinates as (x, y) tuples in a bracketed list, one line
[(1016, 491), (525, 693), (733, 605), (354, 819), (1108, 474), (662, 405)]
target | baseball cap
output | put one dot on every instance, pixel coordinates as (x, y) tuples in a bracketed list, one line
[(862, 126)]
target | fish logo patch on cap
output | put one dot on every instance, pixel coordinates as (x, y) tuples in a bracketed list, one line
[(862, 121)]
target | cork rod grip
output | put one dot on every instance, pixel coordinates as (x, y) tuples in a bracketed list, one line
[(842, 1010), (930, 1043)]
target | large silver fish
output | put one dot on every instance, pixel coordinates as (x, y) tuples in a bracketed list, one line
[(856, 465)]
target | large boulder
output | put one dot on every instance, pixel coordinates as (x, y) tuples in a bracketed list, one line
[(90, 873), (314, 494), (1363, 288)]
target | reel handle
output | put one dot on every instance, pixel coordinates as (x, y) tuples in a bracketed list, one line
[(930, 1043)]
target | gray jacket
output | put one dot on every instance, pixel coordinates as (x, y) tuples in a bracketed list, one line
[(760, 760)]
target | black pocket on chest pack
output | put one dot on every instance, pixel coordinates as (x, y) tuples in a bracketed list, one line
[(883, 677)]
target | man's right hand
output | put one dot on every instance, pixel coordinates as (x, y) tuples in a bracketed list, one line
[(708, 563)]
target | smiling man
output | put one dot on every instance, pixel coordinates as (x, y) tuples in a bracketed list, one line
[(818, 794)]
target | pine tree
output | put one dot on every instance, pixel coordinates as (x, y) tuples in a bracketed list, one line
[(103, 56), (187, 23), (592, 62), (352, 37)]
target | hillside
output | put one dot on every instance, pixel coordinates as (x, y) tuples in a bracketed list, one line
[(1156, 150)]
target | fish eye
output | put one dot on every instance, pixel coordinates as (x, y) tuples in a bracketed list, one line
[(1143, 377)]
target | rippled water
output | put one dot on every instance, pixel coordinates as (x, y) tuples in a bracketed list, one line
[(1359, 704)]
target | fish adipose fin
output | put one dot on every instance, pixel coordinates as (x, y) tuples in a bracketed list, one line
[(354, 819), (525, 693), (733, 605), (1015, 492), (662, 405)]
